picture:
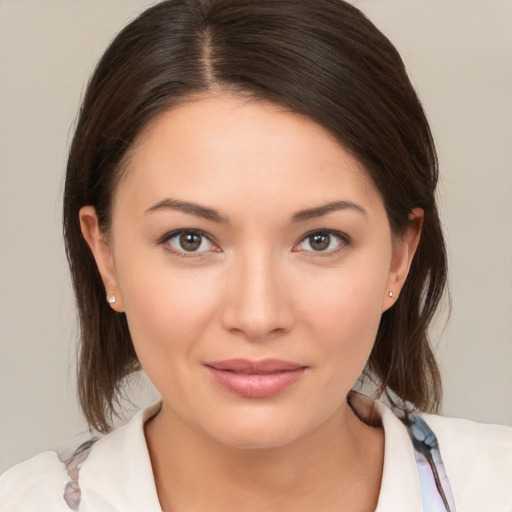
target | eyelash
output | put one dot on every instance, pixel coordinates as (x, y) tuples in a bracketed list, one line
[(184, 254), (343, 239)]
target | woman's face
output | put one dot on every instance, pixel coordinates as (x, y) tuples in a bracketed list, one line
[(253, 258)]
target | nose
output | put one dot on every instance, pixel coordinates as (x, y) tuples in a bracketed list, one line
[(258, 303)]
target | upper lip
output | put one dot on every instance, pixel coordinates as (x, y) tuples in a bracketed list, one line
[(245, 366)]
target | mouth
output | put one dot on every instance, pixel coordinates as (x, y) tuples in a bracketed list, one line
[(255, 379)]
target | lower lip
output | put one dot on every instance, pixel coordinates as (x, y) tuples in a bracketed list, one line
[(256, 385)]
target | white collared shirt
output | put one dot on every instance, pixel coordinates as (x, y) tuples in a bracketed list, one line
[(117, 474)]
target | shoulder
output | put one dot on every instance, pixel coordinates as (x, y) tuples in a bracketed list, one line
[(469, 441), (36, 484), (478, 461), (108, 474)]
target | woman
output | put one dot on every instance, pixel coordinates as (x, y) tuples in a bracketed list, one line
[(249, 216)]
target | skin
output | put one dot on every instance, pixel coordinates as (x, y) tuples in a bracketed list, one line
[(255, 289)]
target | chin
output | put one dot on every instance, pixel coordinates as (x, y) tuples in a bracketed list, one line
[(259, 430), (255, 439)]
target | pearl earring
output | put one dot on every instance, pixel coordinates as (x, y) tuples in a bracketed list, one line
[(390, 294), (111, 299)]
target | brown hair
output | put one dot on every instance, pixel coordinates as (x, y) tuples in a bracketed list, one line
[(320, 58)]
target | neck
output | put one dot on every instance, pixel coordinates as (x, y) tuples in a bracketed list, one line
[(338, 465)]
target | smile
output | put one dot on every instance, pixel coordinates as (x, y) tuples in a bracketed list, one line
[(255, 379)]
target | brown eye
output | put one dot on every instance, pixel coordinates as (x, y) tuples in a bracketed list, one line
[(320, 241), (189, 242), (323, 242)]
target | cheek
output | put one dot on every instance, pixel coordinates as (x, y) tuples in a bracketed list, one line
[(166, 309), (344, 309)]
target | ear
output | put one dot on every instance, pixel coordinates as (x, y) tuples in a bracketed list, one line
[(97, 241), (404, 249)]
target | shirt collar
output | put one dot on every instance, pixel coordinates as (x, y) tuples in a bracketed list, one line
[(118, 470), (400, 488)]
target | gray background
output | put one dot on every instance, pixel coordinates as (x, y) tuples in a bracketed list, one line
[(459, 55)]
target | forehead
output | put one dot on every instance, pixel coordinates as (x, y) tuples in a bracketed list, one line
[(223, 148)]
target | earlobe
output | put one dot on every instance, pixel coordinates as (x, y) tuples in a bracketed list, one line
[(404, 250), (102, 253)]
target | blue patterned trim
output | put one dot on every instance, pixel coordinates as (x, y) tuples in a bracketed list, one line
[(436, 491)]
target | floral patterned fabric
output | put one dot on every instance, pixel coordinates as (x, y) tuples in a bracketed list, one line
[(72, 492)]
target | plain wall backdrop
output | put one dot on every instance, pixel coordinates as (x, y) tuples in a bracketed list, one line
[(459, 56)]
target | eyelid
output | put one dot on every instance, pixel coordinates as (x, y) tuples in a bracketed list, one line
[(163, 240), (344, 239)]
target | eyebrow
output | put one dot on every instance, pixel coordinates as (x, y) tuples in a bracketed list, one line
[(313, 213), (214, 216), (190, 208)]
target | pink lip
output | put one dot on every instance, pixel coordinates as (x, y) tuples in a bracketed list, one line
[(255, 379)]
